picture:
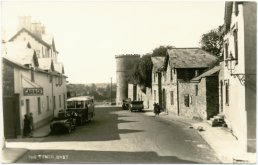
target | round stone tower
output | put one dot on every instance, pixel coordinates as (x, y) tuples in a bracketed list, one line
[(124, 66)]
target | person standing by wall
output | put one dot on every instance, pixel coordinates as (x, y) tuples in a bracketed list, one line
[(31, 122), (26, 126)]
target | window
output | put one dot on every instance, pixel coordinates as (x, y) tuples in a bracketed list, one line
[(172, 97), (32, 74), (187, 100), (171, 74), (50, 78), (64, 101), (39, 106), (227, 93), (154, 75), (226, 53), (226, 50), (27, 106), (47, 103), (196, 90), (54, 102), (236, 44), (154, 95), (60, 103)]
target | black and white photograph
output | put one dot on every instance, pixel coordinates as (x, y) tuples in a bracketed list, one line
[(128, 82)]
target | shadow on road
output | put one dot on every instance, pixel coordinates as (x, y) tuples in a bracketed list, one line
[(53, 156), (104, 127)]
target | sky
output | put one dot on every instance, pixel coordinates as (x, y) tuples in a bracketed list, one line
[(88, 34)]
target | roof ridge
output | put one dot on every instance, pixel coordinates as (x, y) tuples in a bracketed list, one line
[(33, 35)]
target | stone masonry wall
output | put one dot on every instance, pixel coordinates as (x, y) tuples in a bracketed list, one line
[(197, 101)]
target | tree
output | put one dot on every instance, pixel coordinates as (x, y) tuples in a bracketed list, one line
[(161, 51), (141, 74), (212, 41)]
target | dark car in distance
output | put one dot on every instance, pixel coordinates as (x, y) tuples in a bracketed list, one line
[(136, 105)]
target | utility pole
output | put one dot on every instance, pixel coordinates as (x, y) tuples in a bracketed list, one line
[(111, 92)]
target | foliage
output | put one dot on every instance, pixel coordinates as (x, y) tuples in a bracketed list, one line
[(100, 92), (161, 51), (141, 74), (212, 41)]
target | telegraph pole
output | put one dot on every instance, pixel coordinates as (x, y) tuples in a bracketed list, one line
[(111, 92)]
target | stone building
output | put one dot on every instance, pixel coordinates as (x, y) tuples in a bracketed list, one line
[(181, 65), (136, 92), (124, 68), (199, 98), (237, 79), (33, 81), (158, 63)]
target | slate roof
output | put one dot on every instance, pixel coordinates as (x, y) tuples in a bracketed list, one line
[(19, 52), (210, 72), (190, 58), (31, 34), (157, 63)]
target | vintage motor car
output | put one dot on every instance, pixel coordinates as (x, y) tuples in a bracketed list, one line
[(83, 106), (136, 105), (126, 103), (64, 123)]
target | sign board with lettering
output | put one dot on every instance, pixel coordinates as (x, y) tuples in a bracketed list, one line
[(32, 91)]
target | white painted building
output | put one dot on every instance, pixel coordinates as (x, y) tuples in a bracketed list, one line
[(33, 79), (238, 72)]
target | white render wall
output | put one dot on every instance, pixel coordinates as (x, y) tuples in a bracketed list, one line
[(41, 80), (235, 112), (38, 47)]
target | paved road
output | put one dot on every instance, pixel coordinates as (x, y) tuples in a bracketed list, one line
[(118, 136)]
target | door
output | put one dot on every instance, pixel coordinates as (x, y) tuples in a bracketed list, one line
[(11, 112)]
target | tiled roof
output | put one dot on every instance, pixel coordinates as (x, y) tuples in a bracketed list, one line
[(19, 52), (207, 73), (59, 67), (45, 63), (190, 58), (31, 34), (157, 63)]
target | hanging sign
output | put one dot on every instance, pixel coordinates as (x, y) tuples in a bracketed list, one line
[(32, 91)]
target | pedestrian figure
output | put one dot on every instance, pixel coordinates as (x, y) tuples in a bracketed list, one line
[(155, 108), (158, 109), (31, 122), (26, 125)]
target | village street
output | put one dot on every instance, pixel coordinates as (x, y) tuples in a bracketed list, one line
[(121, 136)]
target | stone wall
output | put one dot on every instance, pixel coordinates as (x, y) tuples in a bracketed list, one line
[(192, 99)]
